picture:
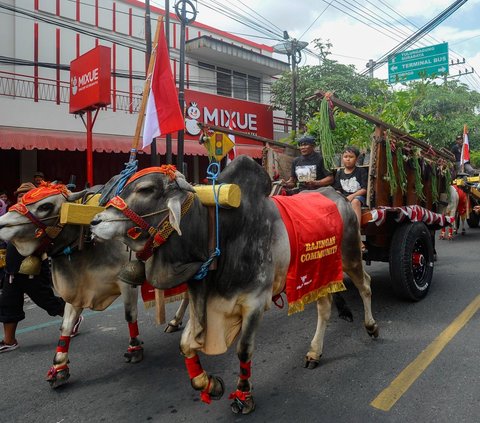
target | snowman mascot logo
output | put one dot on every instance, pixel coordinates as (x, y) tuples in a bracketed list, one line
[(191, 123)]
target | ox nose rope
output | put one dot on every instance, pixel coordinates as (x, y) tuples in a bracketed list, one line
[(213, 171), (119, 184)]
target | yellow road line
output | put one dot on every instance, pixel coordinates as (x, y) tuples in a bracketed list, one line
[(389, 396)]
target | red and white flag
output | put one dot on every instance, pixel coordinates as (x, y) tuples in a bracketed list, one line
[(232, 153), (466, 147), (163, 114)]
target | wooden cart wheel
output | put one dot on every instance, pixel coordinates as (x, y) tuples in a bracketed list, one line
[(411, 261)]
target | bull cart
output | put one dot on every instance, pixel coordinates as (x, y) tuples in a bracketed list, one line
[(407, 181), (471, 186)]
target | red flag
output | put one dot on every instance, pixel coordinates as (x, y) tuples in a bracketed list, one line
[(466, 147), (163, 114)]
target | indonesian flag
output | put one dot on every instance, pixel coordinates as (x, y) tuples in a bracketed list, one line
[(232, 153), (466, 147), (163, 114)]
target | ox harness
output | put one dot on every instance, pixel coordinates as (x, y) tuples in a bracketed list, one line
[(46, 234), (158, 235)]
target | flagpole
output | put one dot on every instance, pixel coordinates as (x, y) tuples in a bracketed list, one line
[(148, 54), (146, 89), (168, 137)]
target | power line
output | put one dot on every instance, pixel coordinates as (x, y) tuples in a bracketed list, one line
[(316, 19)]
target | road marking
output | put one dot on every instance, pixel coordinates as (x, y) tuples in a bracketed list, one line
[(59, 321), (389, 396)]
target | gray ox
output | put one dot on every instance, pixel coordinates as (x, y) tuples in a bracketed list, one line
[(252, 267), (84, 277)]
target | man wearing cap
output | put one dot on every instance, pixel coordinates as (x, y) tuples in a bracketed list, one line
[(13, 286), (308, 169), (38, 178)]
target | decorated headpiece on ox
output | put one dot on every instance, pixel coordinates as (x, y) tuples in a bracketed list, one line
[(45, 220)]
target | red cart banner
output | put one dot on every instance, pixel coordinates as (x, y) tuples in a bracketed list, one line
[(315, 230)]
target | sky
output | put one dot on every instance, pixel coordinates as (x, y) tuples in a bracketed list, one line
[(358, 29)]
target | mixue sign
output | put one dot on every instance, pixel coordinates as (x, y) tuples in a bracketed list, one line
[(239, 115), (90, 80)]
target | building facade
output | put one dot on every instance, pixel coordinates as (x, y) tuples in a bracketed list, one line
[(227, 81)]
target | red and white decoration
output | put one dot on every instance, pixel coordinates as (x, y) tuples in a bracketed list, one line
[(413, 213), (163, 115)]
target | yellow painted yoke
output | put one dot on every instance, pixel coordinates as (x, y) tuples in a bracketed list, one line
[(229, 196)]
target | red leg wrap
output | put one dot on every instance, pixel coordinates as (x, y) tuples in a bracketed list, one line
[(133, 329), (54, 370), (205, 395), (245, 370), (240, 395), (63, 344), (194, 368)]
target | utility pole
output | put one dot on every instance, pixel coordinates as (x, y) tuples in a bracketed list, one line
[(181, 11), (370, 65), (148, 53), (294, 86), (460, 73), (292, 48)]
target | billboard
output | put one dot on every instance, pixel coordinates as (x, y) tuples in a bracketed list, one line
[(90, 80), (239, 115)]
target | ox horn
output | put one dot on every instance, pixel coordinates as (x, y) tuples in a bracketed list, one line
[(133, 273), (31, 265)]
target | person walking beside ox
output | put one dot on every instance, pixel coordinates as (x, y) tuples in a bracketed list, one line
[(13, 286)]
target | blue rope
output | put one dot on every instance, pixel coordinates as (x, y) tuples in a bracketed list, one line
[(130, 169), (213, 171)]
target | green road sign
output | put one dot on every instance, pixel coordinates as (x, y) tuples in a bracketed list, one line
[(420, 63)]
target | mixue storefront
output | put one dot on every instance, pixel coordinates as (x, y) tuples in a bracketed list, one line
[(60, 154)]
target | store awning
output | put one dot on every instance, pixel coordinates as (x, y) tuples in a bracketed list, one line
[(42, 139)]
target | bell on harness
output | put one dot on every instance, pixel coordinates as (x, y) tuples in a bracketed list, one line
[(133, 273)]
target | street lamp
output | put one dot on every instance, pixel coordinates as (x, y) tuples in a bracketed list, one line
[(293, 48)]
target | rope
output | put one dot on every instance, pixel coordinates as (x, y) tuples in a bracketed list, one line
[(213, 171), (123, 177)]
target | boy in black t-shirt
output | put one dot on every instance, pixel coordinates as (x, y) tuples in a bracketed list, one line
[(352, 181)]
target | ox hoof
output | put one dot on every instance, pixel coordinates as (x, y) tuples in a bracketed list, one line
[(217, 387), (134, 354), (243, 406), (56, 377), (311, 363), (373, 330), (172, 327)]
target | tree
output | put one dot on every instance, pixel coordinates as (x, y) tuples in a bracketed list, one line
[(433, 112), (328, 76)]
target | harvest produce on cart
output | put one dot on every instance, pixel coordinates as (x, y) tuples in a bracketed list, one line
[(407, 178)]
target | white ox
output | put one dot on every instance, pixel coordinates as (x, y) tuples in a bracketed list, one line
[(252, 266), (457, 207), (84, 274)]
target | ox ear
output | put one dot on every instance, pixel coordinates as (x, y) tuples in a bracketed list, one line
[(74, 196), (174, 206), (182, 183)]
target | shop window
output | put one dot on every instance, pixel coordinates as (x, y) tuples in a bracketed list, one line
[(254, 88), (239, 85), (224, 82)]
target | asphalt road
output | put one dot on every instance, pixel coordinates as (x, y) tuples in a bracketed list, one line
[(417, 371)]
